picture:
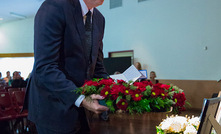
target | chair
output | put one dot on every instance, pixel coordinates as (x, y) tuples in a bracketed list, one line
[(7, 87), (18, 97), (23, 89), (6, 106), (2, 87), (10, 90), (3, 90), (7, 110)]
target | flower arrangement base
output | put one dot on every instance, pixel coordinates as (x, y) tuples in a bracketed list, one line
[(125, 123)]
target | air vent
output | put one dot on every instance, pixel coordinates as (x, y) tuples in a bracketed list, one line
[(141, 0), (115, 3)]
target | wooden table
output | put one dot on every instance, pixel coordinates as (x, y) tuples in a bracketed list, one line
[(124, 123)]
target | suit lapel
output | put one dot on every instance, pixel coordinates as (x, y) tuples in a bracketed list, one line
[(95, 34), (78, 18)]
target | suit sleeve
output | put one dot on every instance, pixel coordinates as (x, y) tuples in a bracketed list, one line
[(100, 71), (48, 39)]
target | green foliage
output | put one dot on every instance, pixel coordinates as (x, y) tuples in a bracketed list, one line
[(97, 79), (139, 106), (133, 87), (118, 99), (90, 90), (147, 92), (110, 105), (99, 89), (145, 105), (135, 107), (188, 104), (159, 131), (171, 93), (126, 85), (78, 90), (157, 102), (168, 102), (128, 97)]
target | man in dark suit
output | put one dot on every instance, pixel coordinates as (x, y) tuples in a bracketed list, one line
[(62, 64)]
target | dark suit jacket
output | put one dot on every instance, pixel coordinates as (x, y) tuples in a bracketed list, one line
[(61, 64)]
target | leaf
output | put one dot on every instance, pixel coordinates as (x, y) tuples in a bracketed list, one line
[(149, 88), (171, 93), (130, 82), (188, 104), (128, 97), (132, 87), (125, 84), (130, 110), (157, 103), (110, 105), (109, 102), (118, 99), (145, 105), (170, 89), (159, 130), (78, 90)]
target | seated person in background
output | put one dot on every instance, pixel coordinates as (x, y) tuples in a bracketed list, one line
[(2, 82), (117, 72), (8, 77), (17, 81), (138, 66), (152, 77), (19, 73)]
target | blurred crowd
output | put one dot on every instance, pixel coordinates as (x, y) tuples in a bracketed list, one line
[(15, 81)]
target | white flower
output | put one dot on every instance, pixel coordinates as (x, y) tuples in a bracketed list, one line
[(165, 125), (190, 130), (174, 124), (195, 121), (178, 124)]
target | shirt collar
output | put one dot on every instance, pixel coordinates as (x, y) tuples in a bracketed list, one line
[(84, 8)]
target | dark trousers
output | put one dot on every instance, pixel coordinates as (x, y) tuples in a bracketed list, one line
[(82, 127)]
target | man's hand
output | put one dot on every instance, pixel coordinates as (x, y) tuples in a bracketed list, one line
[(93, 105)]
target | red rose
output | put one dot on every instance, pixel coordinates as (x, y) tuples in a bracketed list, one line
[(136, 95), (147, 83), (157, 91), (140, 85), (126, 91), (91, 83), (105, 92), (179, 99), (165, 86), (121, 81), (122, 104), (115, 90), (106, 82)]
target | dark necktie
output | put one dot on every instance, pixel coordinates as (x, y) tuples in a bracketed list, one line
[(88, 34)]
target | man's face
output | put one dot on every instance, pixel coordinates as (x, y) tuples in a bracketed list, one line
[(94, 3), (99, 2)]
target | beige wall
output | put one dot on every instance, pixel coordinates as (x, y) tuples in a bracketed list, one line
[(196, 90)]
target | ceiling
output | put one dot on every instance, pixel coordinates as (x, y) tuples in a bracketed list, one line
[(25, 8)]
